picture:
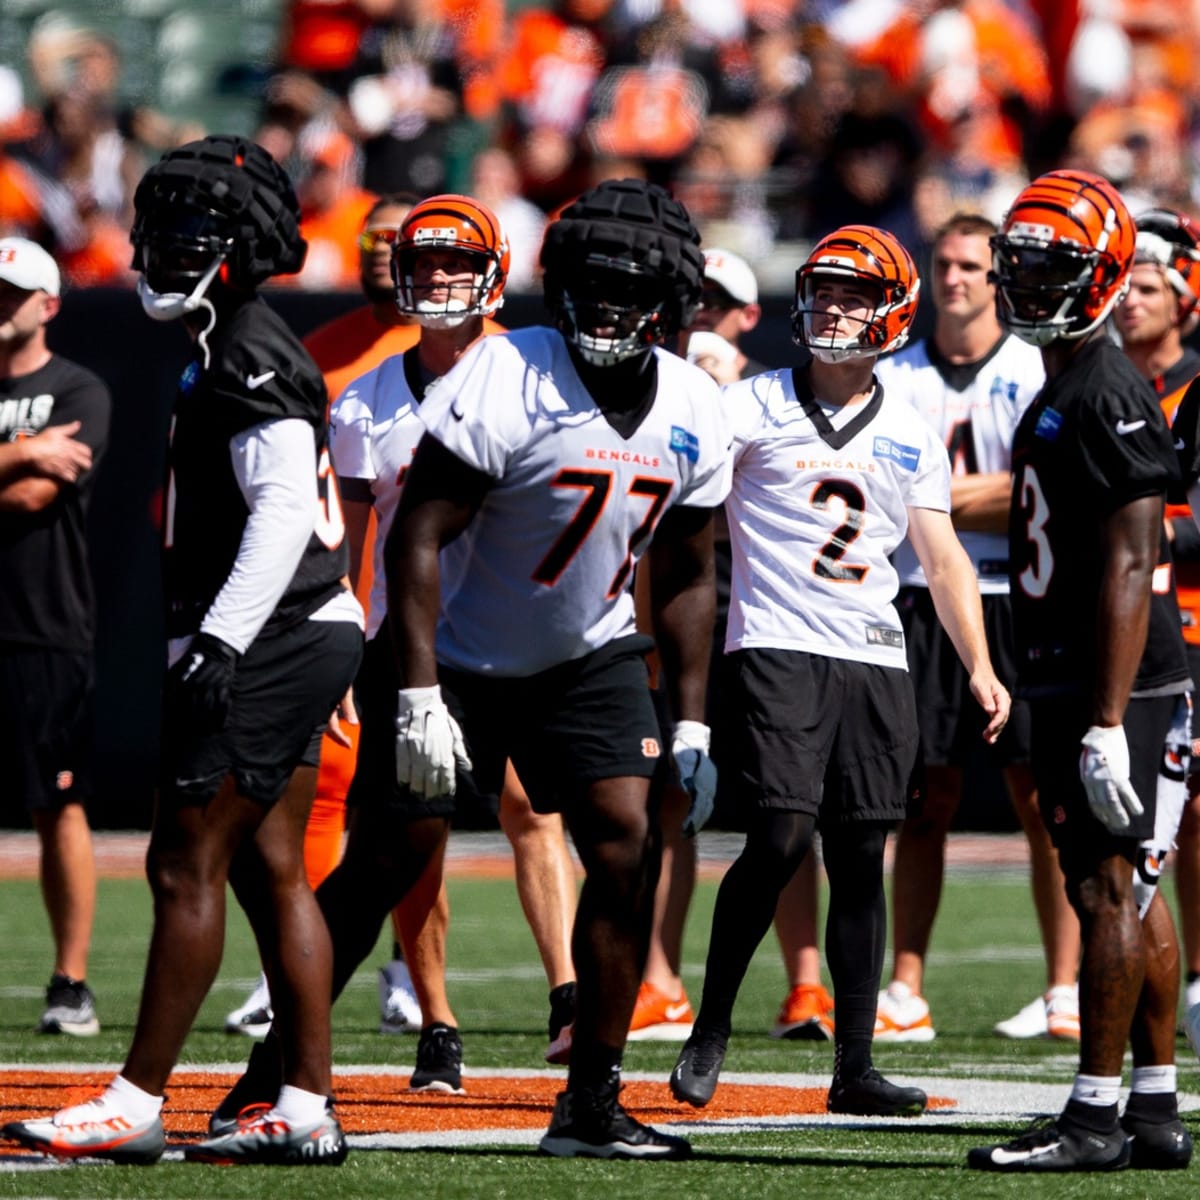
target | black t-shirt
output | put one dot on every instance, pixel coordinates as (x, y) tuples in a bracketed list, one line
[(1094, 440), (259, 372), (45, 584)]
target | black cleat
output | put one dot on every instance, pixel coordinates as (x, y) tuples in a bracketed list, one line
[(1060, 1144), (439, 1061), (1156, 1144), (873, 1096), (698, 1068), (591, 1123)]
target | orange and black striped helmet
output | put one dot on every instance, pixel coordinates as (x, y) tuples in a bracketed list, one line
[(872, 256), (455, 223), (1062, 258)]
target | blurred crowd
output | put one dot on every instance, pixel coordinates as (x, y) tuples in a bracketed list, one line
[(773, 120)]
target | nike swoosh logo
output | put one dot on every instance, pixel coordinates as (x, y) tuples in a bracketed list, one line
[(1124, 427), (256, 381), (455, 413), (1002, 1157), (675, 1011), (1179, 443)]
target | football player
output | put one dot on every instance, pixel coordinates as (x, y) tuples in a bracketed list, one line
[(1101, 659), (830, 474), (553, 459), (264, 639)]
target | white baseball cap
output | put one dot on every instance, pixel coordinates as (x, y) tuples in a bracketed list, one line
[(26, 265), (728, 271)]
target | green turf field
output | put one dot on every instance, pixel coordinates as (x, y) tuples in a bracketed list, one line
[(985, 963)]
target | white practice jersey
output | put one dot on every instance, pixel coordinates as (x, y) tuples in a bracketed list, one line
[(976, 414), (542, 574), (374, 428), (814, 514)]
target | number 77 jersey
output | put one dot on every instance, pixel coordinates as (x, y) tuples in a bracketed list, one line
[(819, 502), (542, 574)]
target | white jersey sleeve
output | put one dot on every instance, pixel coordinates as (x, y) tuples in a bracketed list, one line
[(976, 418), (542, 574), (374, 428), (816, 511)]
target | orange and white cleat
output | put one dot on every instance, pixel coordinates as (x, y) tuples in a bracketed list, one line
[(93, 1130), (902, 1016), (658, 1018), (806, 1015)]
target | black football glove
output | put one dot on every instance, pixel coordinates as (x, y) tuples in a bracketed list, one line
[(200, 684)]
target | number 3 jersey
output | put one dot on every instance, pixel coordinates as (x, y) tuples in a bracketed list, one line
[(1093, 441), (814, 513), (258, 372), (542, 574)]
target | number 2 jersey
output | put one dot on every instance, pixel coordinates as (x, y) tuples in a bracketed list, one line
[(1094, 440), (816, 511), (258, 372), (542, 574)]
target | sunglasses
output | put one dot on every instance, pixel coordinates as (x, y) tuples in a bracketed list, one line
[(376, 239)]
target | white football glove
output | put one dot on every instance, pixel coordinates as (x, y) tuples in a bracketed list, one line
[(1104, 770), (429, 743), (697, 773)]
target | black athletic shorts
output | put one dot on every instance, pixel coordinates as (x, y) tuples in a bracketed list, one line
[(949, 717), (825, 736), (564, 728), (45, 725), (284, 689), (1059, 723)]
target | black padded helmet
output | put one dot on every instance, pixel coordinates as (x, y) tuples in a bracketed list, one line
[(623, 269), (220, 195)]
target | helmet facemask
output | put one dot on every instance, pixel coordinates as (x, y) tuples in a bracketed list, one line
[(460, 304), (1046, 291), (848, 337), (613, 310)]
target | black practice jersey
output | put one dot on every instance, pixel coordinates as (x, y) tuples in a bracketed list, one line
[(1094, 440), (258, 372), (45, 585)]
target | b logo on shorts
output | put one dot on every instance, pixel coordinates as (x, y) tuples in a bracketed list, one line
[(650, 748)]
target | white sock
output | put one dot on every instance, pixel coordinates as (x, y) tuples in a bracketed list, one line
[(298, 1107), (1097, 1090), (1153, 1079), (130, 1100)]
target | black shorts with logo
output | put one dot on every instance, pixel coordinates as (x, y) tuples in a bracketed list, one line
[(284, 689), (949, 717), (564, 728), (45, 725), (826, 736)]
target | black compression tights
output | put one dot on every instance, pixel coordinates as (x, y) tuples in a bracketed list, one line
[(776, 844), (855, 936)]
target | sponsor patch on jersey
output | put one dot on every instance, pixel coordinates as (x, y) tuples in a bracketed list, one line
[(904, 456), (190, 377), (1049, 425), (64, 780), (687, 444), (881, 635)]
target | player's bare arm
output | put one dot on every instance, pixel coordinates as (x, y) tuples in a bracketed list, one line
[(955, 592), (980, 502), (1131, 554), (441, 495), (683, 604)]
